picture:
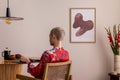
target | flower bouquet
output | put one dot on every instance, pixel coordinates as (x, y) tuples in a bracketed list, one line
[(114, 39)]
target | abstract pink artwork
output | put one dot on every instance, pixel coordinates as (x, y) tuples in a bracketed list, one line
[(82, 25)]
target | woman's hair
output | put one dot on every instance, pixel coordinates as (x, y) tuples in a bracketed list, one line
[(58, 32)]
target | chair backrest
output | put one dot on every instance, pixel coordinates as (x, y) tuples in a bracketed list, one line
[(57, 71), (53, 71)]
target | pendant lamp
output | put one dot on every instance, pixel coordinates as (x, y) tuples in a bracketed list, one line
[(8, 18)]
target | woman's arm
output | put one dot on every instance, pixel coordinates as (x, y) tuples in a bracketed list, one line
[(38, 70)]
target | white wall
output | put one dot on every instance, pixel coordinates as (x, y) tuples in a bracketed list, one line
[(91, 61)]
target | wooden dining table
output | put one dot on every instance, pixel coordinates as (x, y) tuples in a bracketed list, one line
[(9, 69)]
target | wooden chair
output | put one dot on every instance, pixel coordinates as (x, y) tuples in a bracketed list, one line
[(53, 71)]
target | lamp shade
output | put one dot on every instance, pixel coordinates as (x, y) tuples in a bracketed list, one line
[(8, 15)]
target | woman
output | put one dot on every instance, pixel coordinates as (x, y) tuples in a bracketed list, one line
[(57, 54)]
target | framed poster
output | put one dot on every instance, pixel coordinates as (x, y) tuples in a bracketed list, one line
[(82, 25)]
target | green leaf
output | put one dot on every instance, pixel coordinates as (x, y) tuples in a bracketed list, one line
[(114, 32)]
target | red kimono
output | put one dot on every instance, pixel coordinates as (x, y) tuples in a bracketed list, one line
[(54, 55)]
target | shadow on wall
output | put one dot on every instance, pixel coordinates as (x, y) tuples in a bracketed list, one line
[(106, 57)]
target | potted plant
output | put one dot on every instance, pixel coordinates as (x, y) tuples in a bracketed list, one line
[(114, 40)]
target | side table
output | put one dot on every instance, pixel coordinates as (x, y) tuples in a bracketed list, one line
[(114, 77)]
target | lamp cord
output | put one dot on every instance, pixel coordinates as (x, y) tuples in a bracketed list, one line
[(7, 3)]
